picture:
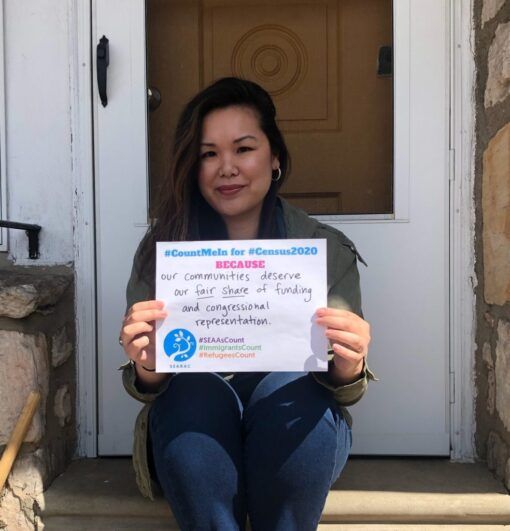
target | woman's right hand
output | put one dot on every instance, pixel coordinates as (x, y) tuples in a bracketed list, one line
[(137, 335)]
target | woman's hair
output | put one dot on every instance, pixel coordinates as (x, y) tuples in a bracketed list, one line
[(182, 213)]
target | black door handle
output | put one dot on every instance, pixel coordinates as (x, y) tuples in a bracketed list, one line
[(102, 62)]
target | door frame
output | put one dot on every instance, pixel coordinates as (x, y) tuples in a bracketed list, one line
[(461, 241), (82, 95), (462, 231)]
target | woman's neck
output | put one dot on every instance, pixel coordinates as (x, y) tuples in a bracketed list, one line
[(246, 229)]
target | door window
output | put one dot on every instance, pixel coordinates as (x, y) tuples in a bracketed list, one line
[(328, 67)]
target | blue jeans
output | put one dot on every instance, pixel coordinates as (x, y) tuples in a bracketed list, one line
[(269, 445)]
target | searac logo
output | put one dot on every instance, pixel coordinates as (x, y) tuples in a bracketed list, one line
[(180, 343)]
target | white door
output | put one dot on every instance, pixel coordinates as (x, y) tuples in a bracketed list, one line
[(405, 288)]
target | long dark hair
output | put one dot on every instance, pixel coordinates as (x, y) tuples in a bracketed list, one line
[(182, 213)]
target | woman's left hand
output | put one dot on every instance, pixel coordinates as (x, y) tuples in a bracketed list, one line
[(349, 336)]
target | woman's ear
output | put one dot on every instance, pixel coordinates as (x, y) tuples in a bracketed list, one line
[(275, 162)]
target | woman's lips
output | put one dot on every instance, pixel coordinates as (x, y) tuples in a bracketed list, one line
[(230, 189)]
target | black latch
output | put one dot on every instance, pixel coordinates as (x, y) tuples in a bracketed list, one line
[(385, 61), (102, 62), (32, 233)]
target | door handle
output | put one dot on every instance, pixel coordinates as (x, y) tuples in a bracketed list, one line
[(102, 62)]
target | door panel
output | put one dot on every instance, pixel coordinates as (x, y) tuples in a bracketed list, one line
[(405, 288)]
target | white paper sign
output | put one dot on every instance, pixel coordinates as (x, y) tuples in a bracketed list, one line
[(241, 305)]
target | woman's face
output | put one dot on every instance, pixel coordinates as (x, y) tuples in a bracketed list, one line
[(236, 166)]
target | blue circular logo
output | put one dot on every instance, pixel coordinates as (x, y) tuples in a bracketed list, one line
[(181, 343)]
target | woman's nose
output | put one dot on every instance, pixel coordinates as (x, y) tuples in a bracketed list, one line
[(228, 168)]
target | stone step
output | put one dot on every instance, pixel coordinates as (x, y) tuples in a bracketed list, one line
[(410, 527), (84, 523), (106, 523), (372, 494)]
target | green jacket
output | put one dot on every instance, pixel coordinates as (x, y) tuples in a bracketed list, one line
[(343, 293)]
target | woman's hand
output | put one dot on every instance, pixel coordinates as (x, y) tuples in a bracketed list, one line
[(349, 336), (137, 334)]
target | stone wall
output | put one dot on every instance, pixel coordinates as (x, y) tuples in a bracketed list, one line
[(492, 199), (36, 353)]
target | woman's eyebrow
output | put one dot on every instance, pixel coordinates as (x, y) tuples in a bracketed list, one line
[(245, 137), (236, 141)]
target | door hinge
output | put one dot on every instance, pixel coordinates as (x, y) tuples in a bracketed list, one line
[(452, 388)]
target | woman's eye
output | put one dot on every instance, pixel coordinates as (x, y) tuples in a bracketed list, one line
[(207, 154), (243, 149)]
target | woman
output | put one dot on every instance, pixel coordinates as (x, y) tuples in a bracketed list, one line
[(266, 445)]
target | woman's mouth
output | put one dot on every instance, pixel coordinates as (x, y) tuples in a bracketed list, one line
[(229, 189)]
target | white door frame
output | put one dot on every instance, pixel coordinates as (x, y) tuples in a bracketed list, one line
[(82, 149), (462, 231), (462, 276)]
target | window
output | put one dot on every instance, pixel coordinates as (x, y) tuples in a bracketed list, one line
[(328, 66)]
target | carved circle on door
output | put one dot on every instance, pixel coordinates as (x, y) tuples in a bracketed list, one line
[(272, 55)]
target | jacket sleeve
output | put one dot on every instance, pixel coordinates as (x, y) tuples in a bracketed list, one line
[(130, 384), (136, 291), (344, 293)]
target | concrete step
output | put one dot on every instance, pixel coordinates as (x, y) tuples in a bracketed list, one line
[(82, 523), (410, 527), (372, 495)]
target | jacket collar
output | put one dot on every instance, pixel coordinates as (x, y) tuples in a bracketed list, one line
[(297, 222)]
